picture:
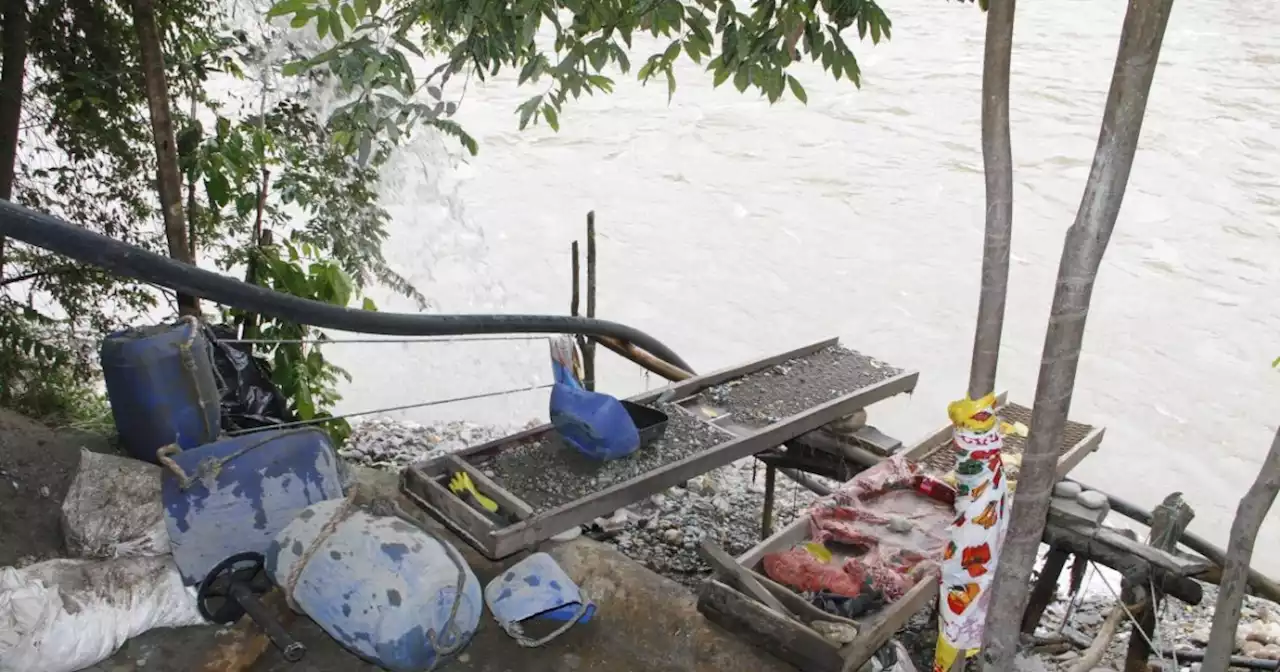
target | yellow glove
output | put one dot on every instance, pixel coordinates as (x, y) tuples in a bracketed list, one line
[(461, 484)]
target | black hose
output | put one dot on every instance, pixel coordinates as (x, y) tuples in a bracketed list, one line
[(130, 261)]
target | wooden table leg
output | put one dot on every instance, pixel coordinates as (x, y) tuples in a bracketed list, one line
[(1045, 589)]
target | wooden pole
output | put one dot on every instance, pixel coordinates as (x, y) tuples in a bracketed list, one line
[(589, 346), (1046, 587), (1169, 520), (1139, 52), (1250, 513)]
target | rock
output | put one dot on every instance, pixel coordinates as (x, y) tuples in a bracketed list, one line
[(1251, 648), (1270, 652), (1066, 489), (899, 525), (840, 633), (672, 537), (849, 423), (1091, 499)]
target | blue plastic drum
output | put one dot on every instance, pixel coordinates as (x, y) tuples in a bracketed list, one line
[(235, 495), (382, 587)]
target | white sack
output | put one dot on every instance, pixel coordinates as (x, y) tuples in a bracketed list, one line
[(113, 509), (65, 615)]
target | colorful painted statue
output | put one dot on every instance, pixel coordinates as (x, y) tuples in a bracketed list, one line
[(969, 560)]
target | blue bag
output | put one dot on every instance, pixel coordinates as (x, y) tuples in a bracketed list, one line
[(595, 424)]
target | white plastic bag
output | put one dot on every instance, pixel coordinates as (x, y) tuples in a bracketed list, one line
[(65, 615), (113, 509)]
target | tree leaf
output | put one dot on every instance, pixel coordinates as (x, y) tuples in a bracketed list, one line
[(368, 304), (361, 7), (349, 15), (552, 119), (797, 90), (322, 25), (335, 25)]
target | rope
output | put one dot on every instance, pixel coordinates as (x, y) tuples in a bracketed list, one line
[(209, 468), (517, 633), (425, 339), (389, 409), (188, 357)]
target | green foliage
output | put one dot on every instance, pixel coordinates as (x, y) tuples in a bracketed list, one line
[(91, 161), (592, 38), (298, 368), (1275, 363)]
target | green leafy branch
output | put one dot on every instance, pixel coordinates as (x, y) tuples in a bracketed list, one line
[(591, 38)]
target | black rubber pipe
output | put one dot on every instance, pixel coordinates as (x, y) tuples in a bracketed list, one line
[(123, 259)]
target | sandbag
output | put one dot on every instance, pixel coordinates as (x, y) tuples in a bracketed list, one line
[(65, 615), (112, 509)]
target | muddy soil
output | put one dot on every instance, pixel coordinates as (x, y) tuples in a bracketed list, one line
[(36, 468)]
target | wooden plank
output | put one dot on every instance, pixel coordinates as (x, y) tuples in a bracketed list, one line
[(881, 627), (543, 526), (683, 388), (723, 564), (1111, 548), (506, 501), (446, 506), (692, 386), (783, 637), (1081, 450), (796, 532)]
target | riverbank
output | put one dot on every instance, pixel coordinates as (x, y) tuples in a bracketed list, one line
[(656, 536)]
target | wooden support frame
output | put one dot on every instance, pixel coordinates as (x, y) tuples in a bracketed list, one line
[(783, 636), (421, 481)]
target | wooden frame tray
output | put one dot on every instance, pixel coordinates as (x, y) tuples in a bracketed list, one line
[(796, 642), (750, 433)]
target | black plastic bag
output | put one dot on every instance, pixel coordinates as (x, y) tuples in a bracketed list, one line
[(249, 398)]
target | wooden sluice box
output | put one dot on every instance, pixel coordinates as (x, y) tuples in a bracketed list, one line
[(546, 488), (803, 636)]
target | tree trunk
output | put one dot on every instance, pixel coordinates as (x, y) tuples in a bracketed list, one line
[(1086, 241), (12, 82), (997, 159), (1235, 575), (169, 182)]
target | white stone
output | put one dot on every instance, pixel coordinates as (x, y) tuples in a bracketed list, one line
[(1091, 499), (1066, 489)]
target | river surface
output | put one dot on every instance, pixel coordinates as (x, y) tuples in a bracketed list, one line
[(730, 229)]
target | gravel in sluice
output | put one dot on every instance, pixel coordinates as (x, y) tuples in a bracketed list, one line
[(547, 473), (799, 384)]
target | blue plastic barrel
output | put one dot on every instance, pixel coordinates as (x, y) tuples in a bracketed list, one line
[(161, 385), (235, 495), (382, 587)]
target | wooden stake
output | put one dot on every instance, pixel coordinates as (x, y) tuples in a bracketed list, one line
[(573, 302), (1235, 573), (1168, 522), (1046, 587), (589, 347)]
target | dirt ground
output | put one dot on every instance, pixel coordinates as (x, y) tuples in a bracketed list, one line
[(644, 622), (36, 468)]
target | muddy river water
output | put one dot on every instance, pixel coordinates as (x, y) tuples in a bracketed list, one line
[(730, 228)]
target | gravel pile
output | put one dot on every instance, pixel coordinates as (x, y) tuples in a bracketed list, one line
[(799, 384), (386, 443), (545, 473), (663, 532), (1182, 628)]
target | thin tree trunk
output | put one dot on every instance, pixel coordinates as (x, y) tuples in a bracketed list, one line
[(169, 182), (1086, 242), (1235, 575), (13, 76), (997, 159)]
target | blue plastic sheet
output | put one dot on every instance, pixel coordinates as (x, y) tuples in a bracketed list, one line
[(595, 424)]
